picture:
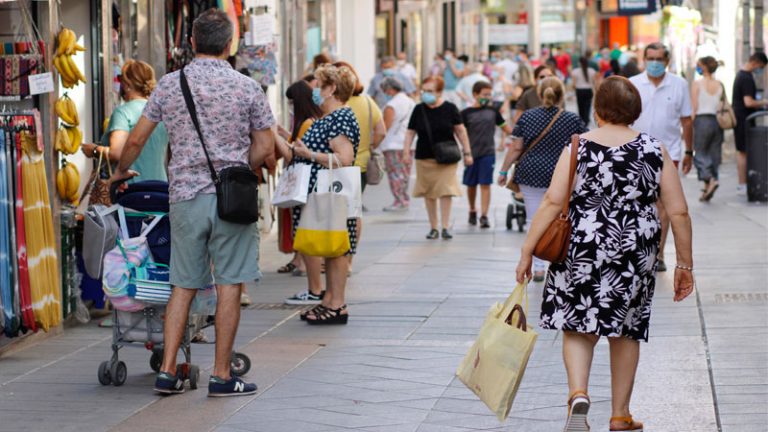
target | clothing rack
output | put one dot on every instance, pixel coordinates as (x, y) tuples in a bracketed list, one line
[(21, 176)]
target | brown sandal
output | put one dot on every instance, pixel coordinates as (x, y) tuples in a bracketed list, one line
[(627, 425), (578, 410)]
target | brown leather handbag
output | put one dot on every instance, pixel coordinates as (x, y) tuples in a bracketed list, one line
[(99, 187), (553, 244)]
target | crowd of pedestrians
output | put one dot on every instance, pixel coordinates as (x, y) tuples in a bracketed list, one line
[(626, 187)]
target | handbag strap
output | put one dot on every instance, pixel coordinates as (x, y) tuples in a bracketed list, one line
[(542, 134), (571, 173), (370, 120), (193, 113)]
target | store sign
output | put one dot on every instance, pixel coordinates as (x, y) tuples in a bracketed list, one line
[(636, 7), (40, 83), (517, 34)]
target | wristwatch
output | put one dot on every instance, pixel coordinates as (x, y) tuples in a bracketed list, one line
[(689, 152)]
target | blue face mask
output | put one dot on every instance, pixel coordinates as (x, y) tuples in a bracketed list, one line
[(699, 70), (387, 97), (655, 69), (428, 98), (317, 98), (388, 72)]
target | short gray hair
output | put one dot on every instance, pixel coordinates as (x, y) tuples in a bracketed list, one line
[(212, 31), (391, 83)]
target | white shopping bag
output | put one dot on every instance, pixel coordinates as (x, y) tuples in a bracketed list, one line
[(292, 187), (346, 181)]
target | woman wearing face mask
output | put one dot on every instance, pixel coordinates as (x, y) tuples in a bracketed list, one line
[(435, 120), (137, 80), (706, 94), (396, 115), (335, 135)]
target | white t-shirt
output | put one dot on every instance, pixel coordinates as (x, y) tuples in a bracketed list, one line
[(465, 84), (510, 69), (582, 82), (403, 105), (408, 70), (663, 106)]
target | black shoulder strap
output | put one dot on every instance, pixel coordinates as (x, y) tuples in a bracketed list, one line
[(193, 113), (426, 123)]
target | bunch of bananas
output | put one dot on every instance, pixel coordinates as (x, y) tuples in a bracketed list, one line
[(68, 139), (66, 47), (68, 182), (67, 111)]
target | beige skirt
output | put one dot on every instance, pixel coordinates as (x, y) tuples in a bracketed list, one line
[(434, 180)]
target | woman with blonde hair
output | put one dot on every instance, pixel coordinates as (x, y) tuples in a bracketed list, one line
[(335, 135), (538, 139), (137, 81), (605, 285)]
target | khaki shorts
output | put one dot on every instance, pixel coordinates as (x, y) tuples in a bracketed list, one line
[(206, 249)]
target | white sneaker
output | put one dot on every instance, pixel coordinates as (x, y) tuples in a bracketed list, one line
[(741, 189)]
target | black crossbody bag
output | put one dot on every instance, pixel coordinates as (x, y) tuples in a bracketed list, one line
[(446, 152), (237, 187)]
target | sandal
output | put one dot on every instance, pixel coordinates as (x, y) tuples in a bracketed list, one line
[(578, 409), (328, 316), (627, 424), (288, 268), (317, 310)]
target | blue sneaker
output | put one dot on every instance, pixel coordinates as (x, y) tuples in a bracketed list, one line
[(218, 387), (169, 384)]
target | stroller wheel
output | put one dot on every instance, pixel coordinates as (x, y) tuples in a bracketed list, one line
[(521, 223), (104, 377), (510, 215), (119, 373), (156, 360), (194, 376), (240, 364)]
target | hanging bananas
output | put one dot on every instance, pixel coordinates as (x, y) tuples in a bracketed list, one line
[(67, 47), (68, 183), (67, 111), (68, 139)]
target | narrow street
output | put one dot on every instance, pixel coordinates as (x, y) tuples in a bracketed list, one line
[(415, 307)]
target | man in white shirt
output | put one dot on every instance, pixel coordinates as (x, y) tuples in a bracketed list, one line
[(666, 108), (464, 87), (510, 67), (406, 68)]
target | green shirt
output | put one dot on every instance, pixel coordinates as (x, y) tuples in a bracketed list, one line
[(151, 162)]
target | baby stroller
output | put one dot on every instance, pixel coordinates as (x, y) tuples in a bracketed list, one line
[(516, 212), (139, 308)]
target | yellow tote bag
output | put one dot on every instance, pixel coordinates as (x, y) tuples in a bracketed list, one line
[(322, 230), (494, 366)]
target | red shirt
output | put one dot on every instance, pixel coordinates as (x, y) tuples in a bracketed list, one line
[(563, 62)]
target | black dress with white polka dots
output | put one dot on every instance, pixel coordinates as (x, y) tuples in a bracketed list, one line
[(536, 167), (318, 138)]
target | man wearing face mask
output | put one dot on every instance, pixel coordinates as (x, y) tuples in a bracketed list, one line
[(666, 109), (452, 73), (745, 103), (388, 69), (407, 68)]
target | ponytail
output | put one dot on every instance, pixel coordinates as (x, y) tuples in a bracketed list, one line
[(551, 91)]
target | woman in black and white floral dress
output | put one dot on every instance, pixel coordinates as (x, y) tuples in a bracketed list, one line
[(605, 285)]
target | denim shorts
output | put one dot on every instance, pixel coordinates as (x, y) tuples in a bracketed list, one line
[(206, 249)]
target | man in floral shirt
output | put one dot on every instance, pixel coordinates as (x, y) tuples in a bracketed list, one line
[(235, 119)]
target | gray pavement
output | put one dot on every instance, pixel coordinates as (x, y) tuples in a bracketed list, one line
[(415, 307)]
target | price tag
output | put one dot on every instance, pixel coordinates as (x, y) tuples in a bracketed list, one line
[(40, 83)]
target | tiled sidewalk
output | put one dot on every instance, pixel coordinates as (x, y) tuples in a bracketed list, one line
[(415, 308)]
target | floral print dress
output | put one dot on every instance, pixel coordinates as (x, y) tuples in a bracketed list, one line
[(606, 283)]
